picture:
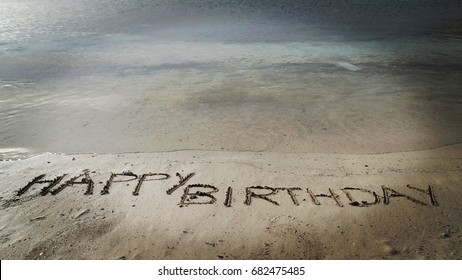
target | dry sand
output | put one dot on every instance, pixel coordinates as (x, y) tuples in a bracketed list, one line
[(385, 217)]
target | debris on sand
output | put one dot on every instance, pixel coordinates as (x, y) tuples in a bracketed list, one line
[(82, 213)]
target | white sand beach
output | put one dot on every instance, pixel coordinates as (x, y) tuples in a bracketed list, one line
[(230, 129), (233, 205)]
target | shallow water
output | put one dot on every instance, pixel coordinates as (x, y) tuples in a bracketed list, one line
[(305, 76)]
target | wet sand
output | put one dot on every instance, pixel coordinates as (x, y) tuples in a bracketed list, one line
[(282, 105)]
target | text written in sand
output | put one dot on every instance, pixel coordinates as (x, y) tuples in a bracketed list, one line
[(202, 194)]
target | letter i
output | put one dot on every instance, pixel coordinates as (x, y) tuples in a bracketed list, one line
[(229, 197)]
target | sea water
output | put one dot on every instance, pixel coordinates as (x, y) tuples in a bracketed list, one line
[(313, 76)]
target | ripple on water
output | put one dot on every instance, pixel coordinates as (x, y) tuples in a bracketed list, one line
[(14, 153)]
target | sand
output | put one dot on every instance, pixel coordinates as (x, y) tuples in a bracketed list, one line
[(233, 205), (230, 129)]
